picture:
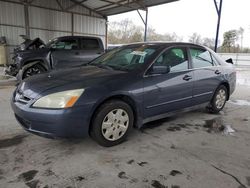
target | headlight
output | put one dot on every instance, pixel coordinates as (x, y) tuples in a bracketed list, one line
[(22, 47), (63, 99)]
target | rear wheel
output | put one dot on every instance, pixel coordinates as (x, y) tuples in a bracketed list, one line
[(112, 122), (219, 99), (33, 70)]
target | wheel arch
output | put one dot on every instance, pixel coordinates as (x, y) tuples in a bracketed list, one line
[(226, 84), (30, 64), (36, 61), (122, 97)]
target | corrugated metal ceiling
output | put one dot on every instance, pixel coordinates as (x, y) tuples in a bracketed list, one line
[(112, 7)]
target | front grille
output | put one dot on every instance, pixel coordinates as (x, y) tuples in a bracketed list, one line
[(20, 97)]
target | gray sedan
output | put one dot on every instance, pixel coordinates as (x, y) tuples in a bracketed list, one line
[(123, 88)]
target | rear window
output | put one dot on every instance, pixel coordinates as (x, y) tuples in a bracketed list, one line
[(90, 44), (201, 58)]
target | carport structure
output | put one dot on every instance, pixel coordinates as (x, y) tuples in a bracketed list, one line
[(48, 19)]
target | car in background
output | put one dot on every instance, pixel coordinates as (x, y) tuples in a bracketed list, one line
[(122, 89), (34, 57)]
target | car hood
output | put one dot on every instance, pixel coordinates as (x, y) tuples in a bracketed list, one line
[(66, 79)]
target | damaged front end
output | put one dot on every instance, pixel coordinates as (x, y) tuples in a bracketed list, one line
[(28, 44), (12, 68)]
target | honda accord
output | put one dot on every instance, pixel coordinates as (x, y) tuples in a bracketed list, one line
[(122, 89)]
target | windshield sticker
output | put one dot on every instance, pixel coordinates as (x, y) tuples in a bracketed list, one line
[(139, 53)]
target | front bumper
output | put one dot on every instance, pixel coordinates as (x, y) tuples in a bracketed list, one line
[(67, 123), (12, 70)]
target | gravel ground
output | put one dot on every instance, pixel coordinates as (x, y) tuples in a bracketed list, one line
[(186, 150)]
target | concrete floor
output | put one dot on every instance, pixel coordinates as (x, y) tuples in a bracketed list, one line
[(187, 150)]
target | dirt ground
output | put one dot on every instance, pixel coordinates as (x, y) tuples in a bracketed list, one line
[(193, 149)]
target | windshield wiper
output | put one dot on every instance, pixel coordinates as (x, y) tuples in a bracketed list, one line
[(103, 66), (120, 68)]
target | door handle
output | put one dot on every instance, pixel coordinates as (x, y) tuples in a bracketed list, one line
[(77, 53), (187, 77), (217, 72)]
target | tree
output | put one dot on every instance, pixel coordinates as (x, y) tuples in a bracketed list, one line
[(195, 38), (153, 36), (209, 42), (229, 42), (124, 32), (241, 33)]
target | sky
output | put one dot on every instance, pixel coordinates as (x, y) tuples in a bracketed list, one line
[(185, 17)]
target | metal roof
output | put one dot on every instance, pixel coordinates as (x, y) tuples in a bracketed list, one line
[(112, 7)]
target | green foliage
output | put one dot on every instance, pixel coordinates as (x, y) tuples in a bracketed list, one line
[(229, 42)]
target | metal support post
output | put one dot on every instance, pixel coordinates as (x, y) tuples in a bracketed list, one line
[(218, 10), (145, 22)]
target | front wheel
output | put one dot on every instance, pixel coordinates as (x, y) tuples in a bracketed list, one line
[(33, 70), (219, 99), (112, 122)]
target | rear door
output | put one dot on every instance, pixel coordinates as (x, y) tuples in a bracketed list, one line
[(207, 75), (66, 53), (91, 48), (170, 91)]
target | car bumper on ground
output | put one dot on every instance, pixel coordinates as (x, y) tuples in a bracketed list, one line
[(51, 123)]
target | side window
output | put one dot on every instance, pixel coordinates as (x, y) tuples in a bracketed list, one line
[(67, 44), (89, 44), (175, 59), (201, 58)]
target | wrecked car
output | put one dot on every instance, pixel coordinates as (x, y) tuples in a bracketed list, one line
[(34, 57)]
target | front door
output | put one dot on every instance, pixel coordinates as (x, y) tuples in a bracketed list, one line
[(169, 91), (66, 53)]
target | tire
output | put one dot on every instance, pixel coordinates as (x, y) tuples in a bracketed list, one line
[(219, 100), (33, 70), (109, 128)]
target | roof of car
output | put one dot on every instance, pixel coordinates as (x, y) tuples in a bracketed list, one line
[(163, 43), (77, 36)]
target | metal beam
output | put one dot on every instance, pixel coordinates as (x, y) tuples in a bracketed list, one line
[(125, 5), (60, 5), (110, 4), (106, 33), (74, 5), (116, 3), (146, 26), (141, 17), (72, 24), (26, 19), (218, 10), (145, 22), (90, 10)]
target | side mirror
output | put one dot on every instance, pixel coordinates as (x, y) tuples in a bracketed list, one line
[(230, 60), (159, 69)]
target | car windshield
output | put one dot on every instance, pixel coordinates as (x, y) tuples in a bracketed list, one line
[(125, 58)]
